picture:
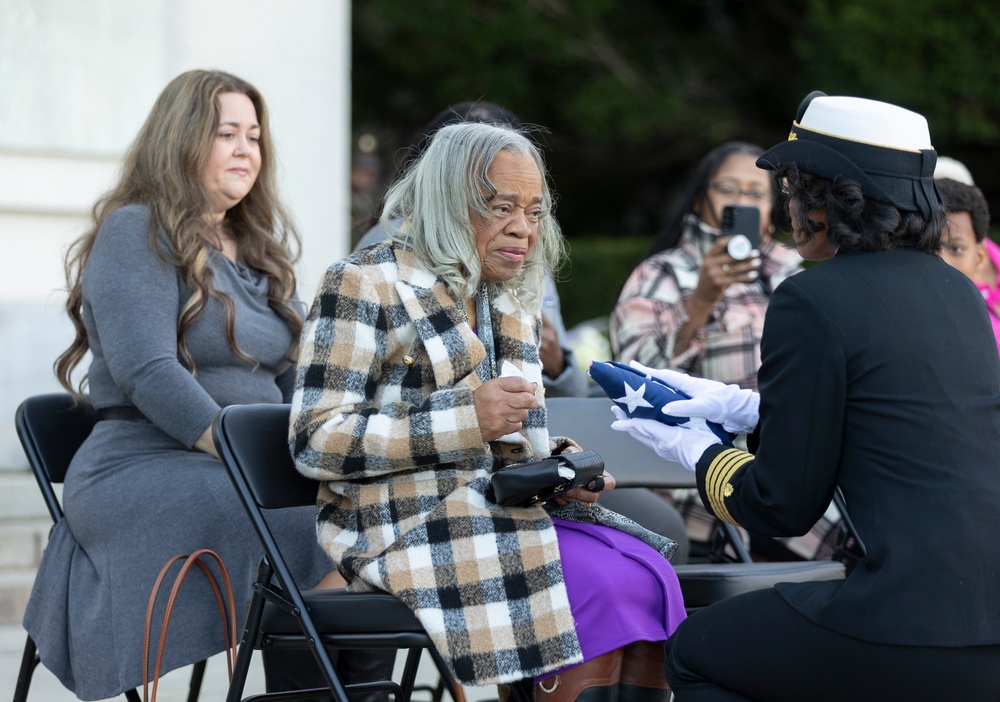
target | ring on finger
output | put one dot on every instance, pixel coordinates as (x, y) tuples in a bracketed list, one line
[(725, 267)]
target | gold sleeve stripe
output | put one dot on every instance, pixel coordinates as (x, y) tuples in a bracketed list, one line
[(717, 480)]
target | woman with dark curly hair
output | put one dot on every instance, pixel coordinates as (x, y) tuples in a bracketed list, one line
[(879, 377)]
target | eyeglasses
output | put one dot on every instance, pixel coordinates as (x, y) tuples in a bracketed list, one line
[(731, 190)]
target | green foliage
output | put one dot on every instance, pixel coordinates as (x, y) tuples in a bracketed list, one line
[(565, 62), (932, 56), (634, 92), (604, 71), (589, 284), (631, 93)]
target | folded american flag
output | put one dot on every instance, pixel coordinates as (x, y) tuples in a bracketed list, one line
[(642, 396)]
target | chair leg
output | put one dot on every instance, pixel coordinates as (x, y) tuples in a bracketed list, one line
[(197, 675), (725, 534), (245, 652), (194, 688), (410, 673), (446, 679), (436, 690), (29, 661)]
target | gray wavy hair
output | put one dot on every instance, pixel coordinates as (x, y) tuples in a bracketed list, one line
[(427, 209)]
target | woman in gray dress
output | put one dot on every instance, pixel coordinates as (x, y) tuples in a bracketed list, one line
[(183, 292)]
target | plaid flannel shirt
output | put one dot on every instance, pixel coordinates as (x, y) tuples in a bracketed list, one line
[(651, 309)]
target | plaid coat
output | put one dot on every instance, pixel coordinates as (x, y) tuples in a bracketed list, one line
[(383, 415), (651, 308)]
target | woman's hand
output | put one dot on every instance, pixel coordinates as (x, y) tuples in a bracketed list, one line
[(588, 494), (205, 443), (502, 404), (550, 352), (719, 270)]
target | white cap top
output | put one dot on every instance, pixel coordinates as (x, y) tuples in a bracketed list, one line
[(867, 121)]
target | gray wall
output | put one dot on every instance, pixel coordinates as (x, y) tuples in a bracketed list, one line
[(77, 78)]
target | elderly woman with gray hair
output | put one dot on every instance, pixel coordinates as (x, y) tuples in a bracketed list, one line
[(418, 377)]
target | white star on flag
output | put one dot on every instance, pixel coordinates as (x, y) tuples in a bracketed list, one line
[(634, 398)]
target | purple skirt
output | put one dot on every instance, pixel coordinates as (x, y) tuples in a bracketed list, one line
[(620, 589)]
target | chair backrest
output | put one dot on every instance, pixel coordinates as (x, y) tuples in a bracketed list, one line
[(51, 429), (253, 440), (587, 420)]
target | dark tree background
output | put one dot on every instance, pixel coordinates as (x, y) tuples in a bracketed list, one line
[(633, 92)]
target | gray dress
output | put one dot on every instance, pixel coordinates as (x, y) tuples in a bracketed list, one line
[(137, 493)]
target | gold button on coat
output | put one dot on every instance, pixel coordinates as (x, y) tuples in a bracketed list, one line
[(408, 361), (728, 490)]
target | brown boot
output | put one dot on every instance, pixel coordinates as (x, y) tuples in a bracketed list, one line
[(642, 678), (593, 681)]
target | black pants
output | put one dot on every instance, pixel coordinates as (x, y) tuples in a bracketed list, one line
[(757, 647)]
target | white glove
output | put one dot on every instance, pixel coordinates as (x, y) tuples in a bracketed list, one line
[(681, 444), (735, 408)]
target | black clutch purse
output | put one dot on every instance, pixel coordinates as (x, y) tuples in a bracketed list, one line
[(527, 484)]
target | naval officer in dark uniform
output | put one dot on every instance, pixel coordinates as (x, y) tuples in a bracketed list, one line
[(879, 375)]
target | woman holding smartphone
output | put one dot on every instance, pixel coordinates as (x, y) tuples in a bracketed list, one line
[(690, 304)]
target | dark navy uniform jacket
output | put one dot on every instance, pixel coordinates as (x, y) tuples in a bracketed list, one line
[(880, 374)]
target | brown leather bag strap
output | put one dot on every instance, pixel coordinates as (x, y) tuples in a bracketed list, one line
[(228, 635), (228, 632), (149, 619)]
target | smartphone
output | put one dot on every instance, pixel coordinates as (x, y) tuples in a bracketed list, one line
[(743, 224)]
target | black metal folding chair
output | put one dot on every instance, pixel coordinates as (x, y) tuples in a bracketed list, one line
[(51, 428), (252, 443), (588, 420)]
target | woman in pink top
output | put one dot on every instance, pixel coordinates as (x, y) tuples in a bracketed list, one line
[(988, 279)]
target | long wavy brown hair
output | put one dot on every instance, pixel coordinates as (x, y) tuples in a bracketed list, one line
[(162, 169)]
